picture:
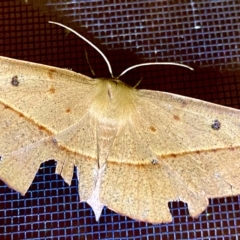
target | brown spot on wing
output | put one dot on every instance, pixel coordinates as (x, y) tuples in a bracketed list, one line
[(68, 110), (51, 73), (153, 129), (176, 117)]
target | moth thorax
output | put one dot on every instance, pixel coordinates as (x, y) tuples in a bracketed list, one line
[(114, 102)]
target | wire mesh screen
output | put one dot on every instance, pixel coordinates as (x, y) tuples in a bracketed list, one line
[(202, 34)]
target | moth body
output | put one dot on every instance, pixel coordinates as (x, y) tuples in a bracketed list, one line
[(114, 101)]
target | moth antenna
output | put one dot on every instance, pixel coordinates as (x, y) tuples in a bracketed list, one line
[(92, 71), (154, 63), (86, 40)]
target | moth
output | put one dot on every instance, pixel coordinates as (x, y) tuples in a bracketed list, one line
[(135, 150)]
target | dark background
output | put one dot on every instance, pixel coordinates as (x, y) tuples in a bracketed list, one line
[(202, 34)]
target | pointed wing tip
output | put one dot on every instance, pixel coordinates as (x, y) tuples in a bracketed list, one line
[(97, 208), (97, 215)]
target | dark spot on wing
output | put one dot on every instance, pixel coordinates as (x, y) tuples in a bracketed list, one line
[(154, 161), (216, 125), (153, 129), (15, 81)]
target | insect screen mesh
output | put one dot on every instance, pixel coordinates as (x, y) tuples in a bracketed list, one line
[(203, 34)]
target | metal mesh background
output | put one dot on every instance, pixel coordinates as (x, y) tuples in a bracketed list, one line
[(203, 34)]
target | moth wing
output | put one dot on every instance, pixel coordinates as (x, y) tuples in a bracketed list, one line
[(175, 148), (38, 105)]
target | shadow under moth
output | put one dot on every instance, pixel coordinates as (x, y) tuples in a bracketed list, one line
[(135, 150)]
